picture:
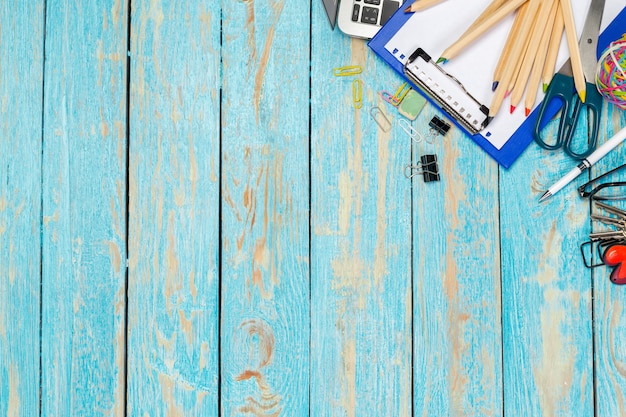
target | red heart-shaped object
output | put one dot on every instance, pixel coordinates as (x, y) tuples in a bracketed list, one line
[(615, 256)]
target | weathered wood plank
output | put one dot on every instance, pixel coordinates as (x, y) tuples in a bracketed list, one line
[(609, 300), (361, 237), (21, 72), (174, 201), (457, 304), (265, 199), (546, 291), (84, 207)]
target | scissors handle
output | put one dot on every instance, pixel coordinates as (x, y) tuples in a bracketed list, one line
[(560, 89), (593, 107)]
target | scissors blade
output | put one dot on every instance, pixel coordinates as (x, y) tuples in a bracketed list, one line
[(331, 11), (566, 69), (588, 43)]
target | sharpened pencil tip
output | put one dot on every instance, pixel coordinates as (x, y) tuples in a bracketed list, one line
[(442, 60), (512, 109), (407, 10), (526, 111), (582, 95), (545, 196), (545, 88), (494, 86)]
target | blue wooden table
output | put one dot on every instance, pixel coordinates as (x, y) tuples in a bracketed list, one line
[(196, 221)]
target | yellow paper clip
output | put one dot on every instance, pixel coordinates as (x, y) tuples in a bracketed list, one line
[(398, 96), (401, 92), (347, 70), (357, 93), (381, 119)]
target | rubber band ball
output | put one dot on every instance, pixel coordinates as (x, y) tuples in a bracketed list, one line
[(611, 73)]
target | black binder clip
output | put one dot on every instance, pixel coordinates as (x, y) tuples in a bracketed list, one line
[(427, 167), (437, 127)]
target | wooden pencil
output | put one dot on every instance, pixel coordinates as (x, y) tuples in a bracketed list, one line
[(506, 51), (535, 75), (469, 37), (489, 10), (553, 48), (421, 5), (541, 20), (516, 50), (574, 51), (520, 59)]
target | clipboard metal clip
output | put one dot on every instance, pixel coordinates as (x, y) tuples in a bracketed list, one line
[(447, 92)]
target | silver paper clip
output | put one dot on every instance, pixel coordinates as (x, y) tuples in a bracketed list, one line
[(410, 130), (380, 118)]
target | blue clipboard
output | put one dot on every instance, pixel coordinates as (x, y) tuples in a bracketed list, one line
[(523, 136)]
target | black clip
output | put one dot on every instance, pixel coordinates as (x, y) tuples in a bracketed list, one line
[(439, 126), (427, 167)]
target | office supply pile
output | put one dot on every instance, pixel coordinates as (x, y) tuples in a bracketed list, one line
[(408, 104), (503, 51), (554, 58)]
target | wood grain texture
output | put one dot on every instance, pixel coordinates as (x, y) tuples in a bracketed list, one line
[(609, 300), (21, 29), (457, 305), (174, 203), (275, 246), (84, 214), (360, 237), (265, 208), (548, 357)]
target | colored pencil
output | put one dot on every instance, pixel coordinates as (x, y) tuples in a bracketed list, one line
[(506, 51), (553, 48), (521, 58), (460, 44), (421, 5), (516, 77), (489, 10), (538, 65), (516, 51), (574, 51), (532, 51)]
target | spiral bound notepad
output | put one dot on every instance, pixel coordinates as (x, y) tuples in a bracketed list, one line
[(434, 29)]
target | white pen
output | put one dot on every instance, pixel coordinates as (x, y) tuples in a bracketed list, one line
[(586, 163)]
